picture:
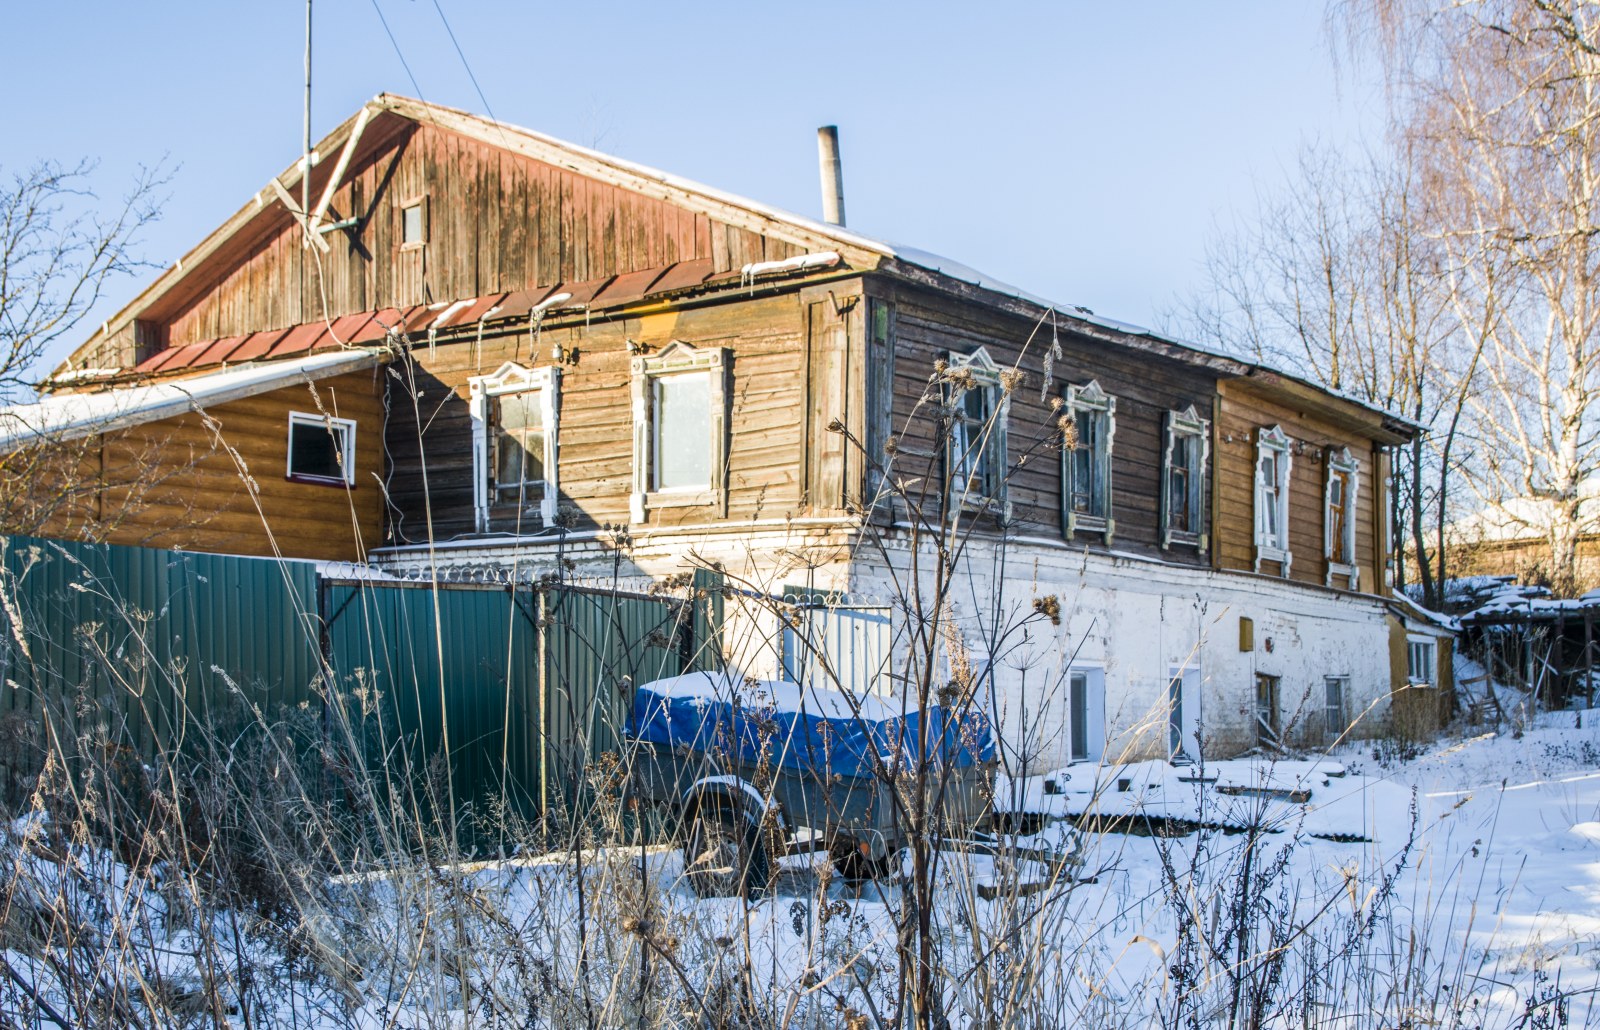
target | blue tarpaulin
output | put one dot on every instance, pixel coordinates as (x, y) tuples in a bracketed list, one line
[(806, 729)]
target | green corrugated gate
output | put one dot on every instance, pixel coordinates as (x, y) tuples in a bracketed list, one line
[(522, 690), (597, 644), (446, 672)]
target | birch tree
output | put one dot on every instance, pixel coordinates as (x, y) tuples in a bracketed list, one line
[(1498, 102)]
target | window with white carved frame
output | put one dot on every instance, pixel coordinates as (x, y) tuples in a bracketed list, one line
[(975, 451), (515, 416), (1183, 480), (680, 419), (1339, 528), (1274, 462), (1086, 463)]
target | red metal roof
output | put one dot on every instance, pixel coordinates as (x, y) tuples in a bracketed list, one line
[(372, 327)]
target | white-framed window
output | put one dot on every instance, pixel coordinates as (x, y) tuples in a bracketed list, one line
[(1339, 527), (975, 452), (1335, 713), (1086, 714), (414, 223), (680, 419), (1421, 660), (1183, 480), (322, 449), (1086, 466), (516, 414), (1274, 461)]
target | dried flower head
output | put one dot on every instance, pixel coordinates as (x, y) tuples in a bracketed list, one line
[(1050, 607), (1069, 432)]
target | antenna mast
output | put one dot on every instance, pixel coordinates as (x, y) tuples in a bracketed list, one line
[(305, 160)]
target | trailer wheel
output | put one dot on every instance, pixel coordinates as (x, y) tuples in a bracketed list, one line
[(853, 865), (724, 856)]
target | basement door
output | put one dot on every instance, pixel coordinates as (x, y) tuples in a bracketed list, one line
[(1267, 725)]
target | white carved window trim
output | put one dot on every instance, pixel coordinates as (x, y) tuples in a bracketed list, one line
[(343, 431), (985, 375), (1272, 546), (1346, 573), (1422, 660), (679, 358), (1090, 397), (512, 378), (1186, 423)]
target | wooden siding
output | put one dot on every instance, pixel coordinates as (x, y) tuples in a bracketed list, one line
[(767, 338), (929, 326), (496, 221), (194, 494), (1243, 409)]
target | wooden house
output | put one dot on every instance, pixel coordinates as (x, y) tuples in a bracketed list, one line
[(564, 352)]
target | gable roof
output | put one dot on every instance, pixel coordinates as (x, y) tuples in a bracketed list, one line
[(387, 114), (378, 122)]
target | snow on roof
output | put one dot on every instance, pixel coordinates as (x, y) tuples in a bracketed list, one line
[(968, 274), (1525, 518), (71, 416), (1416, 611)]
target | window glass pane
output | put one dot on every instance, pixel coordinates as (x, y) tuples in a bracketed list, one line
[(1087, 462), (521, 411), (519, 444), (314, 450), (411, 224), (1080, 716), (1178, 499), (682, 431), (972, 440), (974, 405)]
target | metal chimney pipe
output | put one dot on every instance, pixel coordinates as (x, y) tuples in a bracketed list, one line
[(832, 175)]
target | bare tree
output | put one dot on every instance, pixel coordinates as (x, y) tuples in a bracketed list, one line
[(60, 250), (1341, 281), (1495, 103)]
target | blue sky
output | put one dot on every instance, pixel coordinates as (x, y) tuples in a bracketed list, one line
[(1082, 151)]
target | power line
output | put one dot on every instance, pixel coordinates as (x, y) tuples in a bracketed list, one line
[(396, 44), (465, 64)]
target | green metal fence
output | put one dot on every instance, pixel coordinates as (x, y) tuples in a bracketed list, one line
[(511, 695), (153, 638)]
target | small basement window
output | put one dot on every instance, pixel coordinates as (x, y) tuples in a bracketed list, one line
[(322, 449), (1335, 691), (414, 223)]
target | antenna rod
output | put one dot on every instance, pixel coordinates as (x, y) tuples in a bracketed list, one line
[(305, 161)]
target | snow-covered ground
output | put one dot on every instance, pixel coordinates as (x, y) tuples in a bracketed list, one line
[(1456, 887)]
